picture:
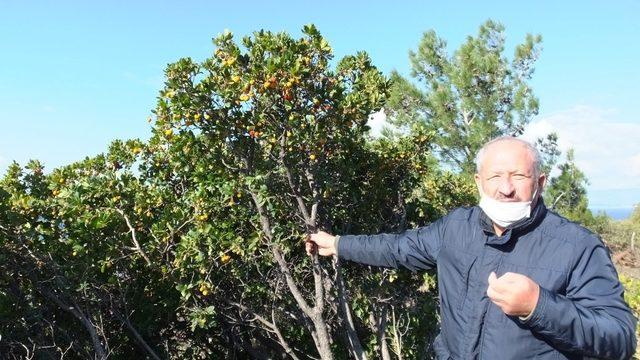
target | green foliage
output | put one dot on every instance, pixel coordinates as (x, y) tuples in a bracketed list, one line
[(198, 230), (470, 97), (567, 194), (549, 151), (632, 293), (632, 297)]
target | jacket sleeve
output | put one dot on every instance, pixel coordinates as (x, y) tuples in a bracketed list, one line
[(592, 319), (412, 249)]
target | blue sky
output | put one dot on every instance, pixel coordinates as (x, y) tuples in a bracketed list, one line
[(75, 75)]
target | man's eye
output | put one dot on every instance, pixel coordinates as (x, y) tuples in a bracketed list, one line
[(519, 176)]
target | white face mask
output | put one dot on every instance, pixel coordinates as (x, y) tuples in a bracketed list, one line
[(504, 213)]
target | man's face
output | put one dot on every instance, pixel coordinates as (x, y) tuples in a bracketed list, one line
[(507, 173)]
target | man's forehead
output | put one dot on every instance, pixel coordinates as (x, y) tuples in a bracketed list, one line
[(508, 153)]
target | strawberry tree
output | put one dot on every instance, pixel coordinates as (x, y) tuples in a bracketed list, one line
[(270, 118)]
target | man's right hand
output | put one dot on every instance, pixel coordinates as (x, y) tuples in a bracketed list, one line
[(322, 242)]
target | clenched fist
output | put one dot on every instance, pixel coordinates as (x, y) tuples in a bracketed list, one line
[(322, 242), (515, 294)]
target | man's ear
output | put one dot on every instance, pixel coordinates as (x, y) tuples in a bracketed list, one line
[(542, 181), (476, 177)]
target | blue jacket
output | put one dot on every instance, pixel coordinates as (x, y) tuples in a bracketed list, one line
[(580, 311)]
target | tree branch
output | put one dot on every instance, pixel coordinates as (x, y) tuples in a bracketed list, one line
[(271, 327), (97, 346), (302, 208), (133, 237), (139, 339), (319, 330), (347, 319)]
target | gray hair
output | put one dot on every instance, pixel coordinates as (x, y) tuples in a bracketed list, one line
[(535, 154)]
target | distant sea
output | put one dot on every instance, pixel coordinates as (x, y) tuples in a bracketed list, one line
[(615, 213)]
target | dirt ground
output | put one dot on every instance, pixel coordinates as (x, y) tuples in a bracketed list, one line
[(633, 272), (627, 261)]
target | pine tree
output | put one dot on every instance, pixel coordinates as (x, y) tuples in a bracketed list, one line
[(567, 193), (468, 98)]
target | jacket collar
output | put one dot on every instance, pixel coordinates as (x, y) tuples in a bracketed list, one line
[(520, 227)]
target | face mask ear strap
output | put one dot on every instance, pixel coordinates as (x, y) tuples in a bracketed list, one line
[(536, 194)]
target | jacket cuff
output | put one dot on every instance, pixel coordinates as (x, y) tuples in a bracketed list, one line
[(537, 314), (525, 318), (335, 244)]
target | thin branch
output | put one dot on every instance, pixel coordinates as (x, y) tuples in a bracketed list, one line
[(293, 288), (139, 339), (271, 327), (228, 166), (89, 326), (555, 202), (302, 208), (313, 185), (397, 336), (281, 339), (266, 228), (354, 341), (132, 230)]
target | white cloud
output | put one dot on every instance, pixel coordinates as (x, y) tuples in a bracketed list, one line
[(606, 149), (634, 165), (377, 122)]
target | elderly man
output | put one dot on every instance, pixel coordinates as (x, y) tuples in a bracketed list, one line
[(516, 281)]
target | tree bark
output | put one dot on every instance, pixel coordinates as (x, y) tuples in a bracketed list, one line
[(271, 327), (320, 330), (397, 335), (139, 339), (100, 352), (380, 321), (347, 320)]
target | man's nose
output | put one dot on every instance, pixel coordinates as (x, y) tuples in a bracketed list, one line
[(506, 188)]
